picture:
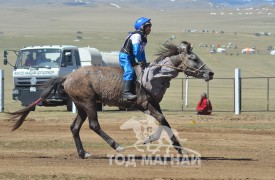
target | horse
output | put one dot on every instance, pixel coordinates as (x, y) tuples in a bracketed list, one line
[(91, 84)]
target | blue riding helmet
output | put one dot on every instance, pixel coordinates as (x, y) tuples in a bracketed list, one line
[(140, 22)]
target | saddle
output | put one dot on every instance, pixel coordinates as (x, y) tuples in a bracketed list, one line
[(155, 77), (139, 70)]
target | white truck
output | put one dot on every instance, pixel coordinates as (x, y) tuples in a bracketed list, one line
[(37, 64)]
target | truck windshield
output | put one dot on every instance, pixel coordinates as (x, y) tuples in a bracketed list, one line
[(39, 58)]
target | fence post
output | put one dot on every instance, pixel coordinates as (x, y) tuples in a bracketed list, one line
[(237, 91), (73, 107), (1, 90), (208, 93), (182, 95), (186, 92), (267, 96)]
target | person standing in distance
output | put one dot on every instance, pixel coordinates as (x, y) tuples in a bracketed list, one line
[(133, 49)]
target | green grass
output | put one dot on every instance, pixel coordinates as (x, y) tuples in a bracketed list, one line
[(222, 93)]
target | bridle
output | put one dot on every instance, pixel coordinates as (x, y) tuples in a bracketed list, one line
[(188, 68)]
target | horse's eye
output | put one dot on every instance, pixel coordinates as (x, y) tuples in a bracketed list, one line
[(192, 57)]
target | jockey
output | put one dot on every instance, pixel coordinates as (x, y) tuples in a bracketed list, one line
[(133, 48)]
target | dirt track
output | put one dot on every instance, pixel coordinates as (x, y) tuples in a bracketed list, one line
[(230, 147)]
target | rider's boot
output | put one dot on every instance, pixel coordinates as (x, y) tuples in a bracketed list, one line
[(127, 95)]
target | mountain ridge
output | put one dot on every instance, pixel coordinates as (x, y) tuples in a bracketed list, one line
[(156, 4)]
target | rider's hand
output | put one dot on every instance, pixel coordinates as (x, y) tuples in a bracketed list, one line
[(143, 65)]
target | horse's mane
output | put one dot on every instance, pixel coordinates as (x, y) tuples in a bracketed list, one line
[(171, 49)]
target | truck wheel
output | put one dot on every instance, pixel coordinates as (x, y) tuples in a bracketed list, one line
[(69, 105), (99, 106)]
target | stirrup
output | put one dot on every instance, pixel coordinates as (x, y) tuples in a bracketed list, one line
[(129, 97)]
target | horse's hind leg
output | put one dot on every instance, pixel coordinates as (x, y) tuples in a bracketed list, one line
[(75, 128), (155, 111), (94, 125)]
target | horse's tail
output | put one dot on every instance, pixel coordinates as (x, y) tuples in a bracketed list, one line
[(53, 84)]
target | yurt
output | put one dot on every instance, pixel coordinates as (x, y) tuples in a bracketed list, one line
[(248, 51), (221, 50)]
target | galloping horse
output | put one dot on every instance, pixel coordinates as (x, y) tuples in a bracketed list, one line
[(90, 84)]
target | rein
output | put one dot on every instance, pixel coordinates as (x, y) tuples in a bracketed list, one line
[(193, 70)]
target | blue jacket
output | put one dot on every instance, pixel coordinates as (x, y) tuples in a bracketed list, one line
[(133, 48)]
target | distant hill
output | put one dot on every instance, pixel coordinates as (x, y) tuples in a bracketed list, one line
[(154, 4), (243, 3)]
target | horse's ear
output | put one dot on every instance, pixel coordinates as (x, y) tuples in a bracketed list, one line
[(189, 47), (184, 42), (183, 47)]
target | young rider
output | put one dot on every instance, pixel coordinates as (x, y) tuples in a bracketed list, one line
[(133, 48)]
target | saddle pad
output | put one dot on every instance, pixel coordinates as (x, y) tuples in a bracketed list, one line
[(155, 78)]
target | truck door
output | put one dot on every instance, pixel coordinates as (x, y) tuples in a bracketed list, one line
[(76, 59), (67, 64)]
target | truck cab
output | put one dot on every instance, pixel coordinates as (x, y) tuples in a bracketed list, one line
[(37, 64)]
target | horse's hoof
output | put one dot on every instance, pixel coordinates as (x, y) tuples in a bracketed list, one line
[(119, 149), (87, 155), (147, 140), (83, 154), (181, 151)]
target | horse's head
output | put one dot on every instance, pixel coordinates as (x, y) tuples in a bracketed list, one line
[(191, 64)]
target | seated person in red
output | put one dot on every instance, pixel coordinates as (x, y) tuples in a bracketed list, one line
[(204, 106)]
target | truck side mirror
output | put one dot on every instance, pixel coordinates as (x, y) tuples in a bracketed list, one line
[(5, 57)]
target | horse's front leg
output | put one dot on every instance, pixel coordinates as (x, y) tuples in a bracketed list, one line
[(94, 125), (155, 111), (154, 136)]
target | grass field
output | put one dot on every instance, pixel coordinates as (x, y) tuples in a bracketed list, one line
[(257, 65)]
